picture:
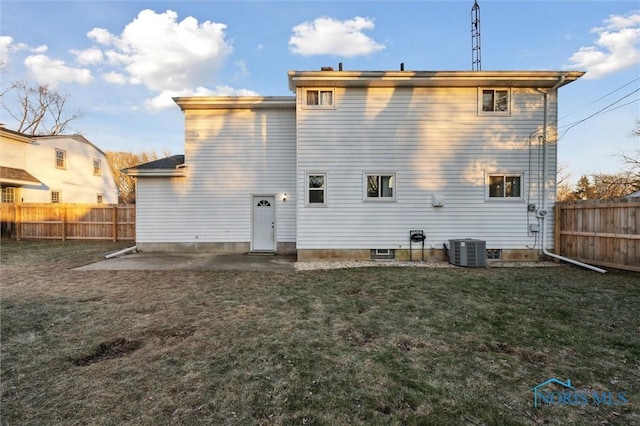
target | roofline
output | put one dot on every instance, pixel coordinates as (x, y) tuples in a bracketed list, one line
[(235, 102), (540, 79), (76, 136), (16, 136), (155, 172)]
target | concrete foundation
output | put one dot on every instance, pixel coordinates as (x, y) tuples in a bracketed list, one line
[(209, 247), (430, 255)]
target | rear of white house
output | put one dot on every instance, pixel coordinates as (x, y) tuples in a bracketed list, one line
[(354, 161)]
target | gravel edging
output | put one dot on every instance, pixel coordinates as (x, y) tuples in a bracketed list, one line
[(312, 265)]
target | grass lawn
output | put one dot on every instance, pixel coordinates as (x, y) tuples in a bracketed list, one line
[(353, 346)]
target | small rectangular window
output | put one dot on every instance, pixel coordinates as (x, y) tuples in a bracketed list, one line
[(97, 167), (9, 194), (495, 101), (55, 196), (319, 98), (317, 189), (505, 186), (61, 159), (100, 199), (380, 186)]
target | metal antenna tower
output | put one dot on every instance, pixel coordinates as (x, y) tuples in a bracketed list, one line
[(475, 37)]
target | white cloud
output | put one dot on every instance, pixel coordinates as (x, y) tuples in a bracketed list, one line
[(40, 49), (163, 54), (617, 47), (242, 71), (114, 77), (100, 35), (7, 47), (164, 99), (90, 56), (328, 36), (53, 71)]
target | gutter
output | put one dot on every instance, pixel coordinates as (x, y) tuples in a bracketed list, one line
[(544, 184)]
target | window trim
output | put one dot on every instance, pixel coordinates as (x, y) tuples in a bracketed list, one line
[(97, 171), (64, 158), (365, 184), (10, 194), (56, 191), (305, 105), (481, 111), (308, 203), (505, 198)]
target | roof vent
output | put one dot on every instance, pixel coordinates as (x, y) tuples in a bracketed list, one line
[(326, 69)]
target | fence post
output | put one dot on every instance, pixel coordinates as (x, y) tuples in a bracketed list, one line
[(18, 222), (64, 223), (557, 236), (115, 222)]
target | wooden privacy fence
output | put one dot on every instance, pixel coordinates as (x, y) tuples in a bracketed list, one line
[(605, 233), (114, 222)]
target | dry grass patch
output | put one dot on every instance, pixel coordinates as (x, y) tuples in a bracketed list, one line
[(365, 346)]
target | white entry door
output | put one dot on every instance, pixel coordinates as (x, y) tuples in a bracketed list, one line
[(263, 224)]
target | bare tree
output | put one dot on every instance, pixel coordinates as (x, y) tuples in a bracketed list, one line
[(38, 109), (564, 190), (118, 161)]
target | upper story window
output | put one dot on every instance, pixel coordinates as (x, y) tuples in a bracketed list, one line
[(505, 186), (380, 186), (55, 196), (97, 167), (317, 189), (319, 98), (495, 101), (61, 159)]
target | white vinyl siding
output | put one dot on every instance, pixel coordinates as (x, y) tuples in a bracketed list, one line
[(437, 143), (230, 155), (76, 181)]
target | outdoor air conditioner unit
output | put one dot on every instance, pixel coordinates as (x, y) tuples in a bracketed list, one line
[(468, 252)]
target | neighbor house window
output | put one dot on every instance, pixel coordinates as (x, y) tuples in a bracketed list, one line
[(317, 189), (495, 101), (380, 186), (9, 195), (319, 98), (61, 159), (505, 186), (55, 196), (97, 167), (100, 199)]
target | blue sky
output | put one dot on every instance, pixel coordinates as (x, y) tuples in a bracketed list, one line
[(121, 61)]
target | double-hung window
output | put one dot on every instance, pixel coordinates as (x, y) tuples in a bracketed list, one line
[(495, 101), (505, 186), (380, 186), (319, 98), (97, 167), (316, 189), (55, 196), (61, 159)]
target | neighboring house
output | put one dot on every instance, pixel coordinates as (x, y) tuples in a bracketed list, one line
[(355, 160), (53, 169)]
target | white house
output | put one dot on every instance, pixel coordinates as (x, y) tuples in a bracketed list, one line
[(53, 169), (355, 160)]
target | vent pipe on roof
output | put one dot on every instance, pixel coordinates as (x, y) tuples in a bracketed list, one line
[(326, 69), (402, 66), (340, 66)]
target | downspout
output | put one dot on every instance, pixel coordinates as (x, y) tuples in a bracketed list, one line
[(544, 184), (123, 251)]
